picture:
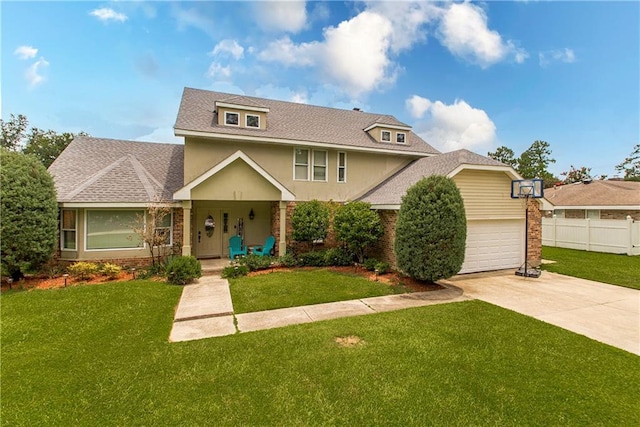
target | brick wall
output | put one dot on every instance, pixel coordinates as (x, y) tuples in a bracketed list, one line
[(299, 247), (178, 221), (535, 233), (619, 214), (383, 249)]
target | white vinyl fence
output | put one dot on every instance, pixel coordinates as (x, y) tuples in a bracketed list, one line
[(596, 235)]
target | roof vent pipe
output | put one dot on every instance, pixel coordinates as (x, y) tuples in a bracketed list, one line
[(356, 109), (586, 180)]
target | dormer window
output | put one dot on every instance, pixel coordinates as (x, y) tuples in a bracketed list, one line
[(231, 119), (400, 137), (252, 121), (385, 136)]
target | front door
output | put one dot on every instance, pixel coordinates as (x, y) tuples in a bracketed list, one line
[(208, 233)]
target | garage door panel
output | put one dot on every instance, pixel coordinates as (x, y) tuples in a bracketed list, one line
[(493, 245)]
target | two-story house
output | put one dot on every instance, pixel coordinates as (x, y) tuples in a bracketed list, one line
[(247, 161)]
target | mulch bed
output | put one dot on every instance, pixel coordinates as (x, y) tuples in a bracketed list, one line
[(392, 279)]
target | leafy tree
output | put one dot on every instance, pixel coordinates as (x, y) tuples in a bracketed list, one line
[(310, 221), (358, 226), (533, 163), (504, 155), (576, 175), (631, 165), (431, 230), (29, 230), (12, 131), (46, 146)]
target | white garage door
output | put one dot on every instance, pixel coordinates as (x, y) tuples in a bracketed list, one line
[(493, 245)]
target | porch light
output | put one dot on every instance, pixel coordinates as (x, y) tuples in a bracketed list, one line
[(251, 214)]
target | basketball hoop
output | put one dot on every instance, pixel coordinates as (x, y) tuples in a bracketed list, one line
[(525, 189)]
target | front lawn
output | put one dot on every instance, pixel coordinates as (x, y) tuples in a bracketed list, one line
[(99, 355), (302, 287), (622, 270)]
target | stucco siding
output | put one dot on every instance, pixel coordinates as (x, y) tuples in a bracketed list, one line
[(487, 195), (364, 170)]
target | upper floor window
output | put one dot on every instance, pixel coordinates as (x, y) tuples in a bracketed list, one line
[(319, 165), (301, 164), (252, 121), (231, 119), (385, 136), (400, 137), (342, 166)]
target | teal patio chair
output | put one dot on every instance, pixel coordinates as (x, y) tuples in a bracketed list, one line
[(266, 248), (236, 247)]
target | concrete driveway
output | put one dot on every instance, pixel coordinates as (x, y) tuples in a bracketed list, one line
[(606, 313)]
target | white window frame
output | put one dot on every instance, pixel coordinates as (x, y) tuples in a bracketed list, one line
[(170, 227), (308, 164), (404, 137), (62, 229), (227, 113), (246, 121), (86, 231), (589, 213), (342, 167), (382, 133), (313, 166)]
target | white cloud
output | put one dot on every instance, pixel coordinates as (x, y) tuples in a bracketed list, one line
[(565, 55), (217, 71), (288, 53), (26, 52), (417, 106), (455, 126), (34, 72), (193, 17), (229, 46), (282, 93), (106, 14), (289, 16), (464, 31), (162, 134)]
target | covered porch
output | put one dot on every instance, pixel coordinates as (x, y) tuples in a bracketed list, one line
[(235, 197)]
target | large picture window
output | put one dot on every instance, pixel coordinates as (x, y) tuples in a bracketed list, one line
[(68, 230), (319, 165), (113, 229), (301, 164)]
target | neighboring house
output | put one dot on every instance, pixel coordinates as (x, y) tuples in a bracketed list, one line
[(611, 199), (247, 161)]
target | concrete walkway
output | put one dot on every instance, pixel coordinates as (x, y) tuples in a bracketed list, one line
[(606, 313), (205, 310)]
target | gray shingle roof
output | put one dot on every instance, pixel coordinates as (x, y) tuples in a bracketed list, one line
[(390, 191), (99, 170), (596, 193), (298, 123)]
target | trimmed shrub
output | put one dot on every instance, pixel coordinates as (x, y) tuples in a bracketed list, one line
[(382, 267), (233, 271), (110, 270), (29, 231), (338, 257), (310, 222), (358, 227), (256, 262), (370, 264), (183, 269), (287, 260), (313, 259), (431, 230), (83, 270)]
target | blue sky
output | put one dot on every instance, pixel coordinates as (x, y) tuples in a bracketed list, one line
[(464, 75)]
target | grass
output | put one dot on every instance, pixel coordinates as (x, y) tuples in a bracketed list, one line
[(622, 270), (98, 355), (301, 287)]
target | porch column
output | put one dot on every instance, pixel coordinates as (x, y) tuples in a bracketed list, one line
[(186, 227), (282, 244)]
